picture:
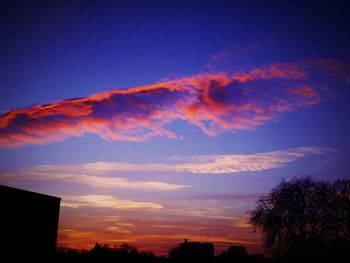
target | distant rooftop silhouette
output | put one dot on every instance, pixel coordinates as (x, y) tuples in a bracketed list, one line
[(189, 251), (28, 224)]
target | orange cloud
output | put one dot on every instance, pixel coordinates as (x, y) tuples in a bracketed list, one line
[(215, 103)]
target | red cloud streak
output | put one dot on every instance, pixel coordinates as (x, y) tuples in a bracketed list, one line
[(215, 103)]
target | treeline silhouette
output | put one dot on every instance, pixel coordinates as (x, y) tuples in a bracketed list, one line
[(302, 220), (126, 253)]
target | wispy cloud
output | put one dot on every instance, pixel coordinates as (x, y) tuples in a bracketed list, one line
[(104, 175), (228, 197), (215, 103), (235, 163), (106, 201), (208, 164), (58, 173)]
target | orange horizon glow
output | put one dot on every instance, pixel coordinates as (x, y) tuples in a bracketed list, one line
[(158, 236)]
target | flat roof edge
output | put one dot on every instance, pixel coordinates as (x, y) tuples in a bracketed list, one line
[(10, 188)]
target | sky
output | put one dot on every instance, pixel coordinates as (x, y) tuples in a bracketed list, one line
[(157, 121)]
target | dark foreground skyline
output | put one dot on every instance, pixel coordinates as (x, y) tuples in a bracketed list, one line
[(302, 219), (157, 121)]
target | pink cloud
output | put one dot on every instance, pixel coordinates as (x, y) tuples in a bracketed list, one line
[(338, 68), (304, 91), (215, 103)]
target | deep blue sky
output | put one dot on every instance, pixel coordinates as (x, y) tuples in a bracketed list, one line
[(65, 49)]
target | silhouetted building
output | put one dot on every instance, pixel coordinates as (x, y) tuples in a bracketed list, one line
[(193, 251), (28, 225)]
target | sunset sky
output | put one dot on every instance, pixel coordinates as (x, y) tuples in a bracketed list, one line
[(157, 121)]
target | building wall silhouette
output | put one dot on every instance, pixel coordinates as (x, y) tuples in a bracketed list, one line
[(28, 225)]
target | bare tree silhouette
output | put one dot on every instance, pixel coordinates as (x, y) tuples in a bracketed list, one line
[(305, 218)]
